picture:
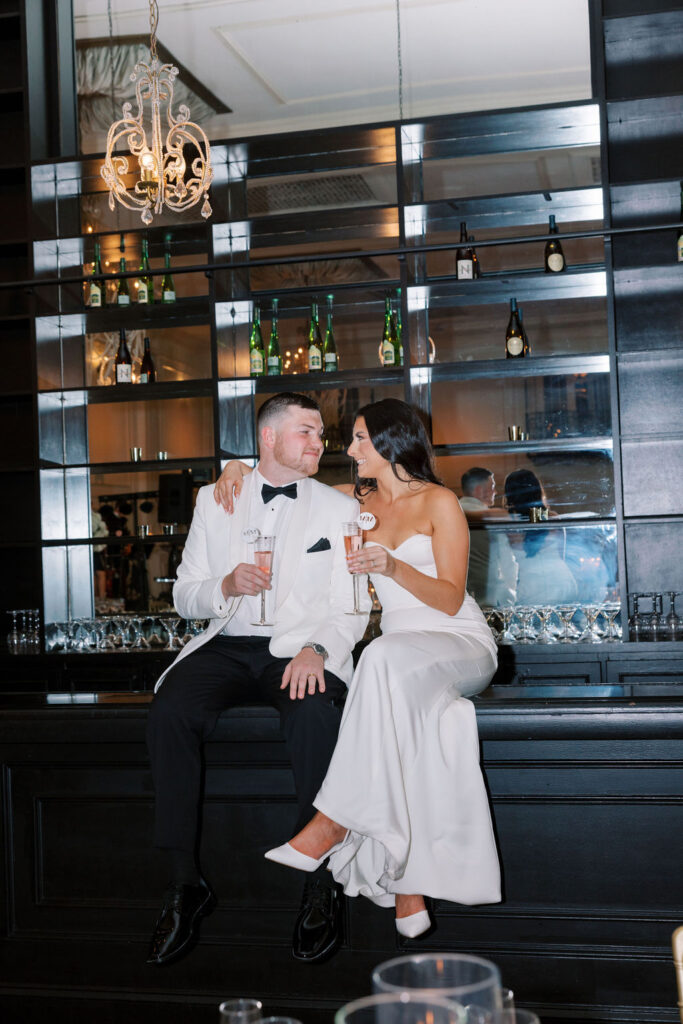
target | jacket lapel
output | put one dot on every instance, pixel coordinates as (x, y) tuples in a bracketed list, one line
[(292, 552)]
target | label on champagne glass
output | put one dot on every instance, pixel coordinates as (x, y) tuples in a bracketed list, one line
[(556, 261), (515, 345), (465, 270)]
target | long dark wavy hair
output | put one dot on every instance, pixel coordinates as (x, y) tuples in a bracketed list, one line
[(398, 435)]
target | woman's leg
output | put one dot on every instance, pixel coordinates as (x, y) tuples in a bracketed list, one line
[(319, 836)]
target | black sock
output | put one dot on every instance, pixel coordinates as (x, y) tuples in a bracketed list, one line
[(183, 867)]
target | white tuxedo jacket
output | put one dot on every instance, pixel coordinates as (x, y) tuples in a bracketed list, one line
[(312, 591)]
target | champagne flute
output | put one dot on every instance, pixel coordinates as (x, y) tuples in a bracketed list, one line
[(263, 558), (353, 541)]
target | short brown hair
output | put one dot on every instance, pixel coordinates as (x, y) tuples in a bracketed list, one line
[(273, 408)]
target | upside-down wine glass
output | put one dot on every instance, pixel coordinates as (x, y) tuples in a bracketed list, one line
[(263, 559), (468, 980)]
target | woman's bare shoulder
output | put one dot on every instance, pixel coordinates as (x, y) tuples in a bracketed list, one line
[(344, 489)]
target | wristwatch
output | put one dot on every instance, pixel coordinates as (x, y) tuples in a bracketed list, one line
[(316, 648)]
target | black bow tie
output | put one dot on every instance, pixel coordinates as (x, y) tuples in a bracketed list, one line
[(268, 492)]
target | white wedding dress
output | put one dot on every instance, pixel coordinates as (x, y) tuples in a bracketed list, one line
[(405, 777)]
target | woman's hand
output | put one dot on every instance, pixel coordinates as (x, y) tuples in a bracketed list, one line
[(229, 484), (374, 560)]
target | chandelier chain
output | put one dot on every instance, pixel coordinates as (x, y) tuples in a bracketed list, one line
[(153, 23)]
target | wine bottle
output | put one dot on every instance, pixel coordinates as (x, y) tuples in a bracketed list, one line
[(148, 371), (476, 268), (315, 342), (145, 281), (554, 256), (167, 285), (520, 314), (123, 364), (514, 335), (464, 268), (388, 352), (679, 243), (122, 290), (256, 352), (331, 360), (398, 325), (96, 287), (274, 356)]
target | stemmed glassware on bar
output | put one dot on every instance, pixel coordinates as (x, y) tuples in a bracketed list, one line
[(263, 559), (467, 980), (353, 541)]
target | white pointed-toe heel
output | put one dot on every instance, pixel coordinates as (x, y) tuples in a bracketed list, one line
[(414, 924), (291, 858)]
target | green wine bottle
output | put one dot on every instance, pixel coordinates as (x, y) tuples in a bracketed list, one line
[(145, 281), (514, 335), (330, 352), (274, 356), (388, 350), (554, 256), (256, 352), (167, 283), (315, 342), (399, 327), (96, 288), (122, 293), (679, 242), (148, 371)]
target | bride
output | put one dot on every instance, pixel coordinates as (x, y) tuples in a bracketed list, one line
[(403, 812)]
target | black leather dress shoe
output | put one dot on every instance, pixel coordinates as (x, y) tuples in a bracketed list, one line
[(318, 928), (176, 928)]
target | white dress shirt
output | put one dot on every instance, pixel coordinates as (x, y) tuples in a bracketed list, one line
[(272, 519)]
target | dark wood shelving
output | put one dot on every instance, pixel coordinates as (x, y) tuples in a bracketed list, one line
[(108, 393), (559, 444), (531, 366)]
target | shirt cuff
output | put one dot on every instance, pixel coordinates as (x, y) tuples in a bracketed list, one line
[(220, 604)]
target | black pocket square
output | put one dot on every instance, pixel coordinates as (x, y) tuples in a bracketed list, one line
[(320, 545)]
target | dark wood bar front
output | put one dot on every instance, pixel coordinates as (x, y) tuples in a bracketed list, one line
[(587, 805)]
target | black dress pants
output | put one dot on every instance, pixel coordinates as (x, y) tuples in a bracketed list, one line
[(224, 672)]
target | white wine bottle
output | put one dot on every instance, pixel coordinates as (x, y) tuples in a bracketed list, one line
[(554, 256), (514, 335)]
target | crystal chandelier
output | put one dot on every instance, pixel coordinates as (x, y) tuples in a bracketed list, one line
[(163, 166)]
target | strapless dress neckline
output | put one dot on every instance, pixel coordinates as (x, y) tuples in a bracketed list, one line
[(412, 536)]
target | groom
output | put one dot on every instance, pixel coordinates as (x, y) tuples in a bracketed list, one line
[(301, 664)]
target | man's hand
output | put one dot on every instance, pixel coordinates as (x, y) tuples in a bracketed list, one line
[(304, 673), (245, 579)]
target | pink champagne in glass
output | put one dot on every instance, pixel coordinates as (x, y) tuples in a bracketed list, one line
[(353, 541), (263, 559)]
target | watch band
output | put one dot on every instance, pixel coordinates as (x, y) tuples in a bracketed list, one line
[(317, 648)]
